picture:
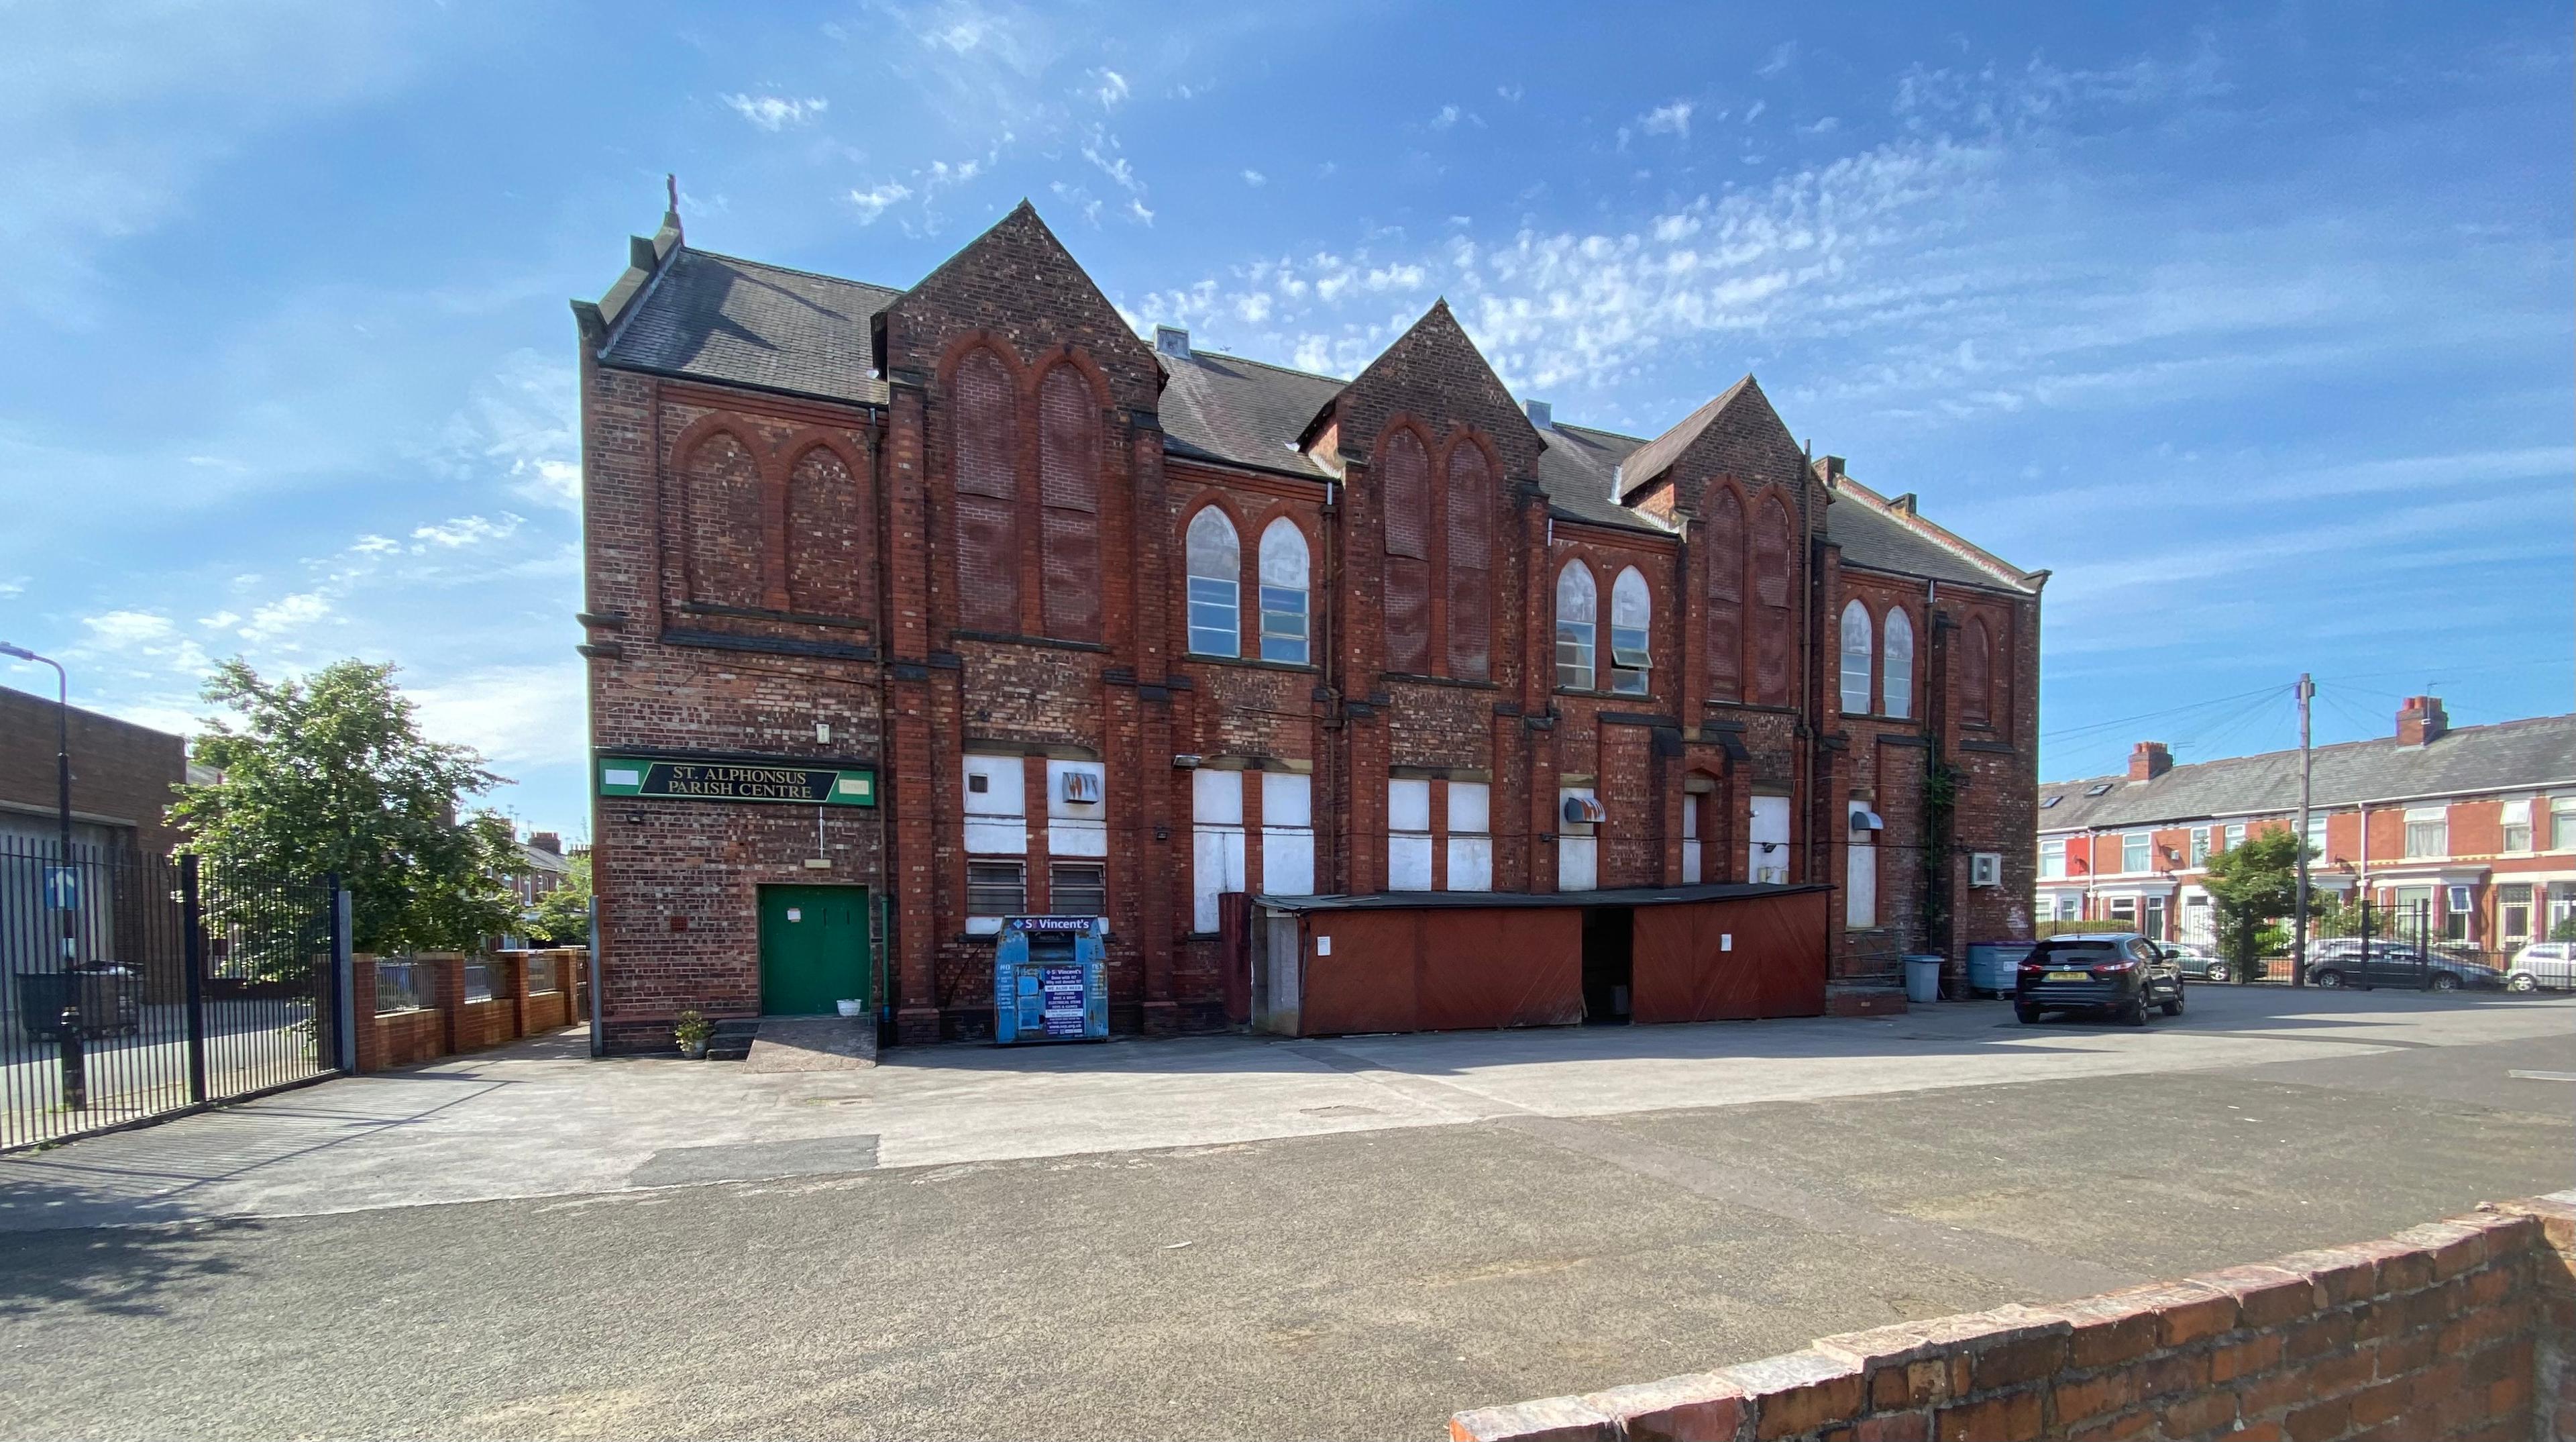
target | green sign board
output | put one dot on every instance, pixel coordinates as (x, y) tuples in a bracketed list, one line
[(735, 781)]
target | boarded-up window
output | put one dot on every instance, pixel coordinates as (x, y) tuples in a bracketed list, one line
[(1976, 673), (1069, 490), (1771, 605), (828, 545), (988, 495), (1404, 486), (1725, 597), (1470, 561), (723, 522)]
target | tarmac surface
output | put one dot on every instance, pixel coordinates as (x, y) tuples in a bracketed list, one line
[(1217, 1236)]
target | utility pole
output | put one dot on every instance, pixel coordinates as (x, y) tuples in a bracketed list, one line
[(2299, 930)]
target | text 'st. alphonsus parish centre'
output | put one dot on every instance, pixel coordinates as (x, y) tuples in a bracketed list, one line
[(1353, 705)]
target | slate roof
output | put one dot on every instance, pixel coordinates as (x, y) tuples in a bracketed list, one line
[(721, 318), (1225, 408), (2535, 752), (1655, 457), (1877, 535)]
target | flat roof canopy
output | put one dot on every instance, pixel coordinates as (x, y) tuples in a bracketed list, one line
[(1623, 896)]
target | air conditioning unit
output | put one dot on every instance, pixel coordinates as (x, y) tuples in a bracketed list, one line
[(1584, 810), (1985, 868), (1081, 787)]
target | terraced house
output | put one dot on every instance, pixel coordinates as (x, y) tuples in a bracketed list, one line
[(2473, 828), (910, 610)]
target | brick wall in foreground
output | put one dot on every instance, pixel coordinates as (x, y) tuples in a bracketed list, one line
[(2462, 1329)]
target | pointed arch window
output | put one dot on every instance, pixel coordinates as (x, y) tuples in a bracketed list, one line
[(1577, 622), (988, 495), (1725, 596), (1855, 659), (1069, 504), (1632, 620), (1405, 490), (1772, 571), (1283, 593), (1468, 561), (1976, 671), (1216, 585), (1896, 665)]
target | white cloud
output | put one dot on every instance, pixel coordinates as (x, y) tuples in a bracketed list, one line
[(1109, 88), (776, 112), (1671, 119), (872, 203), (1826, 126), (285, 618), (13, 586), (118, 630), (522, 422), (1255, 178), (1782, 56), (1445, 117), (465, 531), (515, 715)]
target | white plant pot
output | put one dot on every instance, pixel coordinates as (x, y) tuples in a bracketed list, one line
[(851, 1008)]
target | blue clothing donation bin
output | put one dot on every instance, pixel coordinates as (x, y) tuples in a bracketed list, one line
[(1049, 980)]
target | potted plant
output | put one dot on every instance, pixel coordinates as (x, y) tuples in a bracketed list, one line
[(852, 1006), (691, 1032)]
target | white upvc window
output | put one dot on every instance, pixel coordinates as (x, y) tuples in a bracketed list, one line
[(2317, 833), (2562, 822), (2052, 857), (1283, 593), (2513, 910), (2199, 845), (2515, 820), (1215, 559), (1856, 659), (1632, 620), (1471, 841), (1287, 833), (1896, 665), (1691, 852), (1408, 834), (2428, 831), (1216, 842), (2235, 834), (2137, 851), (1577, 615)]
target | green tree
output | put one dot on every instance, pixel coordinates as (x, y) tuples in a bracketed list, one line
[(331, 774), (562, 916), (2253, 886)]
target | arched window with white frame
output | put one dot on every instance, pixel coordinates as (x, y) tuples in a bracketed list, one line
[(1578, 619), (1283, 593), (1632, 619), (1896, 665), (1216, 585), (1855, 659)]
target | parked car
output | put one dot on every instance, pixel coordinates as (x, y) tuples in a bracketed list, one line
[(2199, 960), (2543, 965), (2345, 962), (2120, 973)]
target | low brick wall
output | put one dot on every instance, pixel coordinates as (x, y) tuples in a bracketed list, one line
[(2458, 1330), (451, 1024)]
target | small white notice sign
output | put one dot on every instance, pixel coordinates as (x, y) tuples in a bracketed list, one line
[(1323, 946), (795, 913), (1726, 941)]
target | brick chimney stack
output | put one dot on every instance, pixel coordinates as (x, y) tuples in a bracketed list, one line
[(546, 841), (2149, 760), (2420, 720)]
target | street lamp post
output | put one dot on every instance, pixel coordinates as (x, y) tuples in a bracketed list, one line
[(62, 737)]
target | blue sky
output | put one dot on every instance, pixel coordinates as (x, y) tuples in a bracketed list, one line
[(2255, 326)]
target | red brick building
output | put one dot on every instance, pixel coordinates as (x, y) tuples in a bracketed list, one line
[(2472, 828), (124, 778), (968, 596)]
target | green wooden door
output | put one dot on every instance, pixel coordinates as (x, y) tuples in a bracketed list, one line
[(813, 948)]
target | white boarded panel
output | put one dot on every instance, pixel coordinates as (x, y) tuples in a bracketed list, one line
[(1217, 797), (1001, 778), (1578, 863), (1216, 868), (989, 837), (1077, 838), (1470, 807), (1408, 804), (1287, 799), (1408, 863), (1471, 863), (1288, 860)]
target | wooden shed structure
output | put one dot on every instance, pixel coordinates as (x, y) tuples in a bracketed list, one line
[(1455, 961)]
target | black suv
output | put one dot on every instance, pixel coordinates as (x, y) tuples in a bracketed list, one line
[(2121, 973)]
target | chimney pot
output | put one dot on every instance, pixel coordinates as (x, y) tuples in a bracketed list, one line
[(2149, 760), (546, 841)]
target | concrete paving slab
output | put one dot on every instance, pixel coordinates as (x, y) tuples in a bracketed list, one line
[(812, 1043)]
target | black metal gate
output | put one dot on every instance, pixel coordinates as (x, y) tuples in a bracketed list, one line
[(139, 987)]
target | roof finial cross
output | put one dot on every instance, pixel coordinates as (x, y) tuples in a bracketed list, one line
[(671, 183)]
